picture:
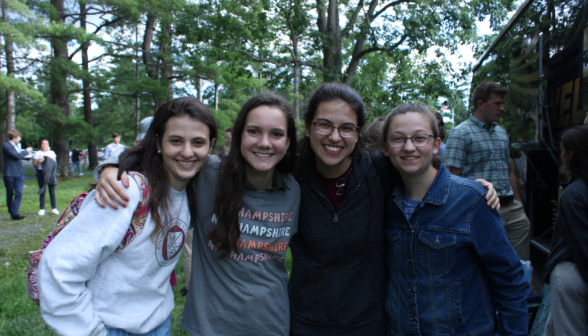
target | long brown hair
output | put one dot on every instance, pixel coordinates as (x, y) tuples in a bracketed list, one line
[(575, 140), (231, 184), (329, 92), (144, 157)]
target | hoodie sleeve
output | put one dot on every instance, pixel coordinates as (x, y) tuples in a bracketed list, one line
[(72, 258)]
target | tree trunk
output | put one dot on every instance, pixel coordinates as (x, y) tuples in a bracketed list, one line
[(296, 85), (328, 23), (200, 89), (216, 86), (10, 106), (165, 64), (147, 40), (358, 48), (58, 91), (92, 151), (137, 101)]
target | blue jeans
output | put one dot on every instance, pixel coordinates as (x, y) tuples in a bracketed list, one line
[(14, 185), (75, 164), (163, 330)]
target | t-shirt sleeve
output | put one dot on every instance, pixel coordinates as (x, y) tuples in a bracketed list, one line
[(455, 150)]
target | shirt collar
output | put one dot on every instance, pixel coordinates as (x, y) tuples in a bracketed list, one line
[(438, 191), (481, 124), (277, 183)]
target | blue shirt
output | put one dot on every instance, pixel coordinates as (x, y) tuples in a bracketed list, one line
[(409, 205), (451, 265)]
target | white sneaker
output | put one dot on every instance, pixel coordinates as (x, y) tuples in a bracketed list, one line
[(42, 212), (55, 211)]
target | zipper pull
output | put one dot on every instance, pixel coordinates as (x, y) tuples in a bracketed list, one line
[(336, 218)]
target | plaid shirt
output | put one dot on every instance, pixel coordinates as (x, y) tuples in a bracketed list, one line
[(480, 152)]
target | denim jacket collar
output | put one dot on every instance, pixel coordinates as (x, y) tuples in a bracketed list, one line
[(438, 191)]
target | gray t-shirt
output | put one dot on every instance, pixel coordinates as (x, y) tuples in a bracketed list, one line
[(245, 294)]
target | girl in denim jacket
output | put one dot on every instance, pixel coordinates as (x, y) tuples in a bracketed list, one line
[(450, 264)]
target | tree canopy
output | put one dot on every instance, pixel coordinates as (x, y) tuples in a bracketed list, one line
[(75, 71)]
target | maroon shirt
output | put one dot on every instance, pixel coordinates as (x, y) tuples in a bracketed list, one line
[(335, 188)]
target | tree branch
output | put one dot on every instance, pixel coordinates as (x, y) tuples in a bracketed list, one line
[(96, 31), (391, 4), (101, 91), (352, 20), (37, 110), (382, 48)]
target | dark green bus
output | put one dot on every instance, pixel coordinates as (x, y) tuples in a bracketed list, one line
[(541, 58)]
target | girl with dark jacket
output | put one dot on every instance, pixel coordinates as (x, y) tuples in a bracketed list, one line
[(338, 280), (566, 270)]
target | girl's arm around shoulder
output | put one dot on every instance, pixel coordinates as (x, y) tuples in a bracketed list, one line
[(503, 269), (387, 172), (71, 259)]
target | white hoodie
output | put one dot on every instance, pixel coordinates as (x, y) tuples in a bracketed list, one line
[(83, 288)]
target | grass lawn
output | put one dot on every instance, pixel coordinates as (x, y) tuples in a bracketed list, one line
[(19, 316)]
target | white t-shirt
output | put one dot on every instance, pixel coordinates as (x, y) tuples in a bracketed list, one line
[(40, 154)]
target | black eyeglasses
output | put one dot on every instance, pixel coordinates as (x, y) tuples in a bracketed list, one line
[(345, 131), (418, 140)]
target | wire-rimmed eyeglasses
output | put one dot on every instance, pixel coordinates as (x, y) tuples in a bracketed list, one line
[(345, 131), (418, 140)]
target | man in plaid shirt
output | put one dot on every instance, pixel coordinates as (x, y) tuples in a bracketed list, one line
[(479, 148)]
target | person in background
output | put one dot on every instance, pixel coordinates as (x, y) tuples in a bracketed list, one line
[(13, 172), (450, 264), (373, 135), (479, 148), (76, 158), (566, 270), (143, 126), (227, 147), (45, 160), (442, 132), (115, 148)]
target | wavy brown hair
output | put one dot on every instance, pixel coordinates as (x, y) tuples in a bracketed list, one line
[(231, 183), (144, 157)]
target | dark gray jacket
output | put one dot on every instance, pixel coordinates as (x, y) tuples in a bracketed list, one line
[(570, 235), (338, 280), (49, 172)]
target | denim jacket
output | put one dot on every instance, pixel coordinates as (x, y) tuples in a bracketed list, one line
[(451, 266)]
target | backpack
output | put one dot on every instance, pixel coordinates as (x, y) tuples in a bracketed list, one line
[(137, 224)]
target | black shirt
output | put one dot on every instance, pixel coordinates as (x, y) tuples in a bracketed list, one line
[(75, 156)]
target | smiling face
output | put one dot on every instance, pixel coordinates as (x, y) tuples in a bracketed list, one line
[(332, 152), (44, 145), (491, 110), (184, 149), (409, 159), (264, 140)]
